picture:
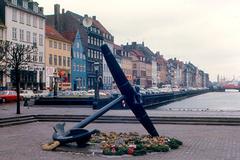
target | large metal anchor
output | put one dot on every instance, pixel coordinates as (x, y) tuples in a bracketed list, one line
[(131, 96)]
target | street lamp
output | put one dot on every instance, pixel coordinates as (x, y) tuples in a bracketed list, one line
[(55, 76), (96, 69)]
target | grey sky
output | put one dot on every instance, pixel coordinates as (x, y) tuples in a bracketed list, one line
[(205, 32)]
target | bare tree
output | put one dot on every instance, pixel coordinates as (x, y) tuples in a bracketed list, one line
[(15, 57)]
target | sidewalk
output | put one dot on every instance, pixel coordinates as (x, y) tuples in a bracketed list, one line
[(9, 110)]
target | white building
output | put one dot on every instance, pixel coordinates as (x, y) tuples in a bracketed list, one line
[(107, 76), (154, 72), (25, 24)]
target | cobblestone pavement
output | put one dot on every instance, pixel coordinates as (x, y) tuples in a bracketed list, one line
[(9, 110), (201, 142)]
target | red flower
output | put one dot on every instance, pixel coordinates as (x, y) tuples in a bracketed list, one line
[(130, 150)]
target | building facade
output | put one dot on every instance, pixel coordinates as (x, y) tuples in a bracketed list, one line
[(25, 24), (126, 62), (79, 74), (161, 70), (92, 38), (58, 59)]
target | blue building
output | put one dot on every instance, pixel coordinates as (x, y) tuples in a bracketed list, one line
[(78, 69)]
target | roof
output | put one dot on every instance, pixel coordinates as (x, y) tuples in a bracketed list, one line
[(97, 24), (137, 53), (70, 35), (117, 47), (54, 34)]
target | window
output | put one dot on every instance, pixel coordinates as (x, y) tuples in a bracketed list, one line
[(14, 2), (21, 35), (50, 44), (59, 45), (28, 37), (25, 4), (1, 34), (77, 67), (14, 33), (55, 60), (68, 61), (64, 61), (69, 47), (34, 58), (88, 52), (55, 44), (22, 17), (60, 60), (29, 19), (80, 56), (91, 40), (35, 9), (74, 67), (50, 59), (14, 15), (40, 57), (40, 40), (35, 21), (64, 46), (35, 38), (41, 22)]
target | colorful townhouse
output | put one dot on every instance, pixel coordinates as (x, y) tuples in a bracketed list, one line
[(58, 59), (78, 69)]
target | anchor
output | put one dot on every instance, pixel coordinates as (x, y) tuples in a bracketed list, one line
[(129, 94)]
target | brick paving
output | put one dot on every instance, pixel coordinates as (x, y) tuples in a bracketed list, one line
[(201, 142), (23, 142)]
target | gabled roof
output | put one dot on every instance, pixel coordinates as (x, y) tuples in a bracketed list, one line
[(70, 35), (54, 34), (117, 47), (137, 53), (97, 24)]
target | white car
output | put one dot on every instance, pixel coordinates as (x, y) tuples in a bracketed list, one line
[(43, 93), (27, 94)]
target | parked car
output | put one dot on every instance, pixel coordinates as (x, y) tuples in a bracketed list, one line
[(8, 96), (27, 94), (43, 93)]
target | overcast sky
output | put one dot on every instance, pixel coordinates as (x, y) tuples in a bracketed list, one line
[(205, 32)]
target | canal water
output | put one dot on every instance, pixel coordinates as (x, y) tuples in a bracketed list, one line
[(214, 101)]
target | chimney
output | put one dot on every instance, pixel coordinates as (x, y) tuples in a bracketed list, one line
[(94, 17), (134, 44), (143, 44), (41, 10), (63, 11), (57, 17)]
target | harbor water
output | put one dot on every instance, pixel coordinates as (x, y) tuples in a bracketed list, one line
[(213, 101)]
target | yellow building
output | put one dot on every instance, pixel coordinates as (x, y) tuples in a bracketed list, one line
[(58, 59)]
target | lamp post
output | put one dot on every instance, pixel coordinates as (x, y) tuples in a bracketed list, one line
[(96, 69), (55, 76)]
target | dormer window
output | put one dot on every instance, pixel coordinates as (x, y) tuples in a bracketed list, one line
[(14, 2), (25, 4), (35, 9)]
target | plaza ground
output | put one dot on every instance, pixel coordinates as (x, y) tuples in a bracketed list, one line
[(201, 142)]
